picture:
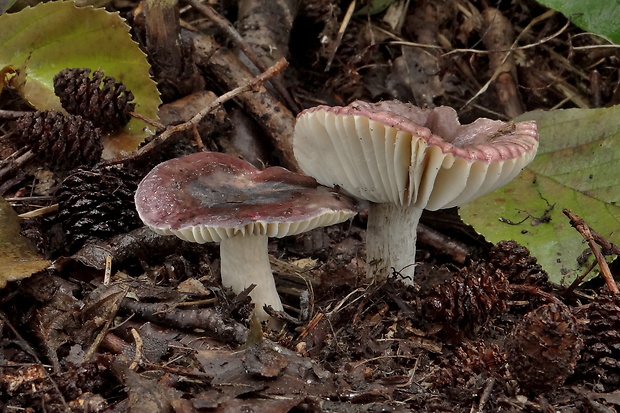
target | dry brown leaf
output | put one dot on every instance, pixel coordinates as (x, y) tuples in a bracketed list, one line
[(18, 256)]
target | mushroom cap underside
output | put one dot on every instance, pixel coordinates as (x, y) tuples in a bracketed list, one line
[(210, 196), (396, 152)]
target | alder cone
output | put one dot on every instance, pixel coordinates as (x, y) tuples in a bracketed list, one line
[(62, 142), (97, 203), (468, 300), (544, 347), (515, 261), (98, 98), (600, 358), (467, 361)]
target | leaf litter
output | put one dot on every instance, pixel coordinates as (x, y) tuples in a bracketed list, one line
[(478, 333)]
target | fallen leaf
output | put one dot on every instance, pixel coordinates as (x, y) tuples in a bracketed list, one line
[(18, 256), (598, 16), (577, 167)]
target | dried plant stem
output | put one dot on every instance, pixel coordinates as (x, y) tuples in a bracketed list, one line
[(12, 164), (588, 234), (193, 122), (39, 212), (341, 30)]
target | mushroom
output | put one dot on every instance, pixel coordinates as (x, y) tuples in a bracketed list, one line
[(213, 197), (404, 159)]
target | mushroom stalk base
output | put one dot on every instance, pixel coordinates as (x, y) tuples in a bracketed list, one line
[(390, 241), (245, 261)]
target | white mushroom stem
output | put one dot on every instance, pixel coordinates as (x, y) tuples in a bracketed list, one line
[(245, 261), (390, 240)]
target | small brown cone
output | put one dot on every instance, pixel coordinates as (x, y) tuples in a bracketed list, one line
[(515, 261), (544, 347), (98, 98), (98, 204), (467, 301), (63, 142), (600, 358)]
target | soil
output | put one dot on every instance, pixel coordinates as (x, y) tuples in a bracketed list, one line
[(127, 320)]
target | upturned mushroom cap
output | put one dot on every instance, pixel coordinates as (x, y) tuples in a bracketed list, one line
[(210, 196), (396, 152)]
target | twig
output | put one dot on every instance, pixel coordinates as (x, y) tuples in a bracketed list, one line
[(10, 166), (498, 35), (11, 114), (26, 199), (207, 319), (578, 280), (450, 51), (514, 47), (138, 354), (341, 30), (451, 247), (148, 121), (312, 324), (224, 25), (588, 234), (531, 289), (39, 211), (194, 121), (107, 274)]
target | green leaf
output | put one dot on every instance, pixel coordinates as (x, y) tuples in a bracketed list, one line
[(42, 40), (374, 7), (577, 167), (18, 257), (596, 16)]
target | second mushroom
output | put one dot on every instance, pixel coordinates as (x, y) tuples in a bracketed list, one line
[(404, 159), (213, 197)]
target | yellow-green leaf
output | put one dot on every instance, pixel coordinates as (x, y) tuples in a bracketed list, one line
[(42, 40), (578, 168)]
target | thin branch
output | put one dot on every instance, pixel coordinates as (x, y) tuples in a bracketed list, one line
[(11, 114), (207, 319), (223, 24), (195, 120), (588, 234), (532, 289), (578, 280), (148, 121)]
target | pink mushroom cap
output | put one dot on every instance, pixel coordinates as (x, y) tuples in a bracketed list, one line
[(396, 152), (210, 196)]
